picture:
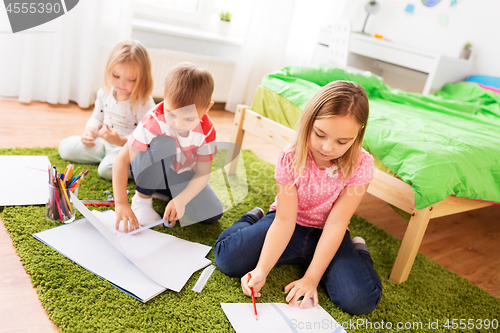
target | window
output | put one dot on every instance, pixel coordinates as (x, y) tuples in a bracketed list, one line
[(189, 12), (193, 17)]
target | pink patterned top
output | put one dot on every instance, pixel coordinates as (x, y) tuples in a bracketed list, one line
[(318, 189)]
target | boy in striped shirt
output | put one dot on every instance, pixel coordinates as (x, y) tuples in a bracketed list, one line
[(170, 152)]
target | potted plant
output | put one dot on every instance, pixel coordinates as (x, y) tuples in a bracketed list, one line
[(224, 24), (466, 51), (225, 16)]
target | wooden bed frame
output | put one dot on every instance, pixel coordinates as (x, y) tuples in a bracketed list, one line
[(384, 186)]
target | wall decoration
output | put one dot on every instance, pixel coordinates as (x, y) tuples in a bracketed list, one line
[(409, 8), (430, 3)]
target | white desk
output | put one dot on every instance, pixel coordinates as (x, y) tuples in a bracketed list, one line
[(365, 50), (440, 68)]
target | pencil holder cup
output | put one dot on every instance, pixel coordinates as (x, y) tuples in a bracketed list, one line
[(60, 206)]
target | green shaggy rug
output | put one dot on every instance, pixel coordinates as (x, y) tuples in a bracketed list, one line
[(433, 299)]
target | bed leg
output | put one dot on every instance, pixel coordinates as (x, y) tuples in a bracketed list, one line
[(410, 245), (236, 140)]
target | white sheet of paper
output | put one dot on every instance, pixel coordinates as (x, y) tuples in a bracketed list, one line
[(24, 180), (144, 264), (97, 223), (204, 263), (145, 248), (85, 245), (280, 318)]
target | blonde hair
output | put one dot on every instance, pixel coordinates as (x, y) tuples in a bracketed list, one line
[(188, 84), (132, 53), (337, 98)]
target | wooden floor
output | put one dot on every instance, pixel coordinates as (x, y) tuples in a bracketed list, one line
[(467, 243)]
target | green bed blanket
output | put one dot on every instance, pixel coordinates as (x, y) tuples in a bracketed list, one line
[(446, 143)]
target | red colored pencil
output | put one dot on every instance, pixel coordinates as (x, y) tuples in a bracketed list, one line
[(253, 297), (98, 203)]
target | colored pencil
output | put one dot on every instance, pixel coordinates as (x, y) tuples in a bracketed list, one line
[(98, 203), (253, 298), (65, 199), (59, 206)]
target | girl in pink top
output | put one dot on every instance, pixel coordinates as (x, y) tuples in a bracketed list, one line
[(321, 179)]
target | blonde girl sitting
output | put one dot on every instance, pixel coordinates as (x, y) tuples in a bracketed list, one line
[(120, 105), (321, 179)]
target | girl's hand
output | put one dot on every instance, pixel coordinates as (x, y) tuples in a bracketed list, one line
[(124, 213), (303, 287), (256, 282), (88, 139), (110, 135), (174, 211)]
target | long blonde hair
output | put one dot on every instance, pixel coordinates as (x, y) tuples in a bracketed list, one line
[(337, 98), (135, 54)]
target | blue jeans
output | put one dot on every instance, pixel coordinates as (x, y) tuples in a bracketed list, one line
[(350, 280), (152, 173)]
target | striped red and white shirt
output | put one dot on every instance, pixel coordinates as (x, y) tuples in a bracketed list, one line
[(199, 145)]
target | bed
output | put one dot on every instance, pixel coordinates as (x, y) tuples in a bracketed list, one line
[(435, 155)]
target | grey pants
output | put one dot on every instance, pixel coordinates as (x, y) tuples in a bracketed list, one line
[(152, 173)]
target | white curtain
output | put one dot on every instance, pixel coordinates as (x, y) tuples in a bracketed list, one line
[(280, 33), (63, 60)]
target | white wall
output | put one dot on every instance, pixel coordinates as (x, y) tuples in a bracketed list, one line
[(307, 18), (474, 21)]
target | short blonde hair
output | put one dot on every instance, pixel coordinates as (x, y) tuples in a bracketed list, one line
[(135, 54), (188, 84), (337, 98)]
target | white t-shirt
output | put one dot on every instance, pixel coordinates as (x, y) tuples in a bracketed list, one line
[(117, 115)]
